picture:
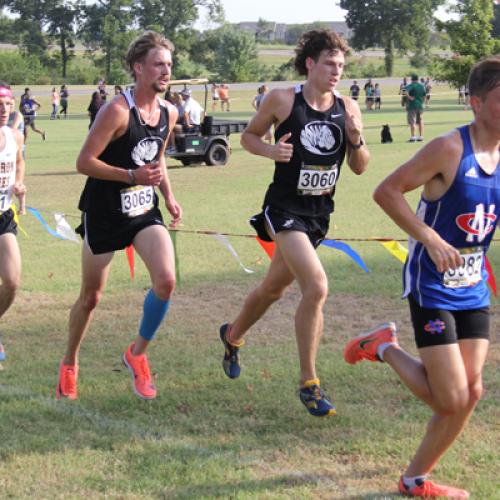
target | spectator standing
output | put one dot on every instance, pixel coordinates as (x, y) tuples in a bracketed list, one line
[(55, 99), (215, 96), (64, 95), (354, 90), (224, 96), (415, 108), (428, 91), (102, 90), (402, 92), (377, 93), (368, 88), (95, 105)]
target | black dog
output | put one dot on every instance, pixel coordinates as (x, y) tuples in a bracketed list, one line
[(386, 134)]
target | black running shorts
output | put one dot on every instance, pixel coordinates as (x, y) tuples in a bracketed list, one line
[(7, 223), (441, 327), (316, 227), (107, 234)]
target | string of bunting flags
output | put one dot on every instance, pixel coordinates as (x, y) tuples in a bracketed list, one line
[(64, 231)]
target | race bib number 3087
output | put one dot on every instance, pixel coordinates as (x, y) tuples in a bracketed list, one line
[(137, 200), (317, 180), (469, 273)]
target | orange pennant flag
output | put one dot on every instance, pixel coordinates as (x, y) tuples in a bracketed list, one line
[(268, 246), (130, 257)]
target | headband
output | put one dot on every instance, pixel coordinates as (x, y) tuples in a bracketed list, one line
[(5, 92)]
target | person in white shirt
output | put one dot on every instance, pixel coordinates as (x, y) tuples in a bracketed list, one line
[(193, 112)]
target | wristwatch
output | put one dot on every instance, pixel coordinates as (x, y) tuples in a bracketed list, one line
[(357, 146), (131, 176)]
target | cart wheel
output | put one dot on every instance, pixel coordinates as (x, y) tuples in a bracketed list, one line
[(218, 154)]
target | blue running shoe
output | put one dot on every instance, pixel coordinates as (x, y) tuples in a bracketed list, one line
[(315, 400), (2, 352), (231, 361)]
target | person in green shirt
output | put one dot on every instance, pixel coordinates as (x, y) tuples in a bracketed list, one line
[(415, 108)]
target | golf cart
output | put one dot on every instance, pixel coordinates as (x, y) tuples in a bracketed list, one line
[(210, 144)]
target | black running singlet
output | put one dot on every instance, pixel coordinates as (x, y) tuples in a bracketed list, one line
[(306, 185), (139, 145)]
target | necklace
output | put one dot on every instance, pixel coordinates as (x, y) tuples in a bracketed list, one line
[(149, 116)]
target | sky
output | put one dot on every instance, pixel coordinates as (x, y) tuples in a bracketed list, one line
[(285, 11)]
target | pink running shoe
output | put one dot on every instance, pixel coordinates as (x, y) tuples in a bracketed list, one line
[(428, 489), (141, 374), (67, 383), (365, 346)]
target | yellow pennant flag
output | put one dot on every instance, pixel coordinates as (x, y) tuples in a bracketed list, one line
[(16, 220), (396, 249)]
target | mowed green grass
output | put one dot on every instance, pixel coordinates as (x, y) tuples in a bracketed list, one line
[(206, 436)]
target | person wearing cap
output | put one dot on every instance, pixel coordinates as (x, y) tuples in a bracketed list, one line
[(11, 183), (415, 95), (193, 112)]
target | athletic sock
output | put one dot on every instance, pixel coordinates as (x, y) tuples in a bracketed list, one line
[(154, 310), (381, 349), (232, 342), (412, 481)]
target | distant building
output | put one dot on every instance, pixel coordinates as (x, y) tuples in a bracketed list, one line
[(278, 31)]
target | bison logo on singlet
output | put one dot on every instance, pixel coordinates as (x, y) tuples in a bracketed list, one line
[(321, 137), (146, 150)]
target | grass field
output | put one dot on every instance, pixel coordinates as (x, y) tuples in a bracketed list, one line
[(206, 436)]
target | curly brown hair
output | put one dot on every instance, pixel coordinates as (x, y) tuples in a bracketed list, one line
[(484, 76), (139, 48), (312, 43)]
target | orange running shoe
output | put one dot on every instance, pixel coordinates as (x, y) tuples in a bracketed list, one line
[(67, 384), (428, 489), (141, 374), (365, 346)]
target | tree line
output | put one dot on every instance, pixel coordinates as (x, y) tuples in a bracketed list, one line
[(48, 31), (406, 26)]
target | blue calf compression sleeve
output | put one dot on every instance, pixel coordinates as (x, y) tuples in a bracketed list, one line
[(155, 310)]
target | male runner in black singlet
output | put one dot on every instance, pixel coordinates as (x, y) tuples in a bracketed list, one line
[(314, 128), (123, 158)]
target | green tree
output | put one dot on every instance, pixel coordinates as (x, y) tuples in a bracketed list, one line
[(62, 18), (390, 24), (496, 21), (231, 54), (8, 32), (175, 18), (108, 29), (470, 40), (264, 30), (29, 23)]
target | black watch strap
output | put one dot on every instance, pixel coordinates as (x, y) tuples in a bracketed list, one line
[(357, 146)]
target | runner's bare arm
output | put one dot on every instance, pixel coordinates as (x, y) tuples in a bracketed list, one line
[(112, 122), (19, 187), (274, 109), (433, 167), (357, 158)]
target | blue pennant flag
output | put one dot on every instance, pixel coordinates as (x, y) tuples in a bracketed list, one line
[(38, 215), (344, 247)]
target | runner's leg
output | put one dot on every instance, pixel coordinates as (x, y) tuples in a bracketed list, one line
[(155, 247), (10, 270), (95, 271)]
